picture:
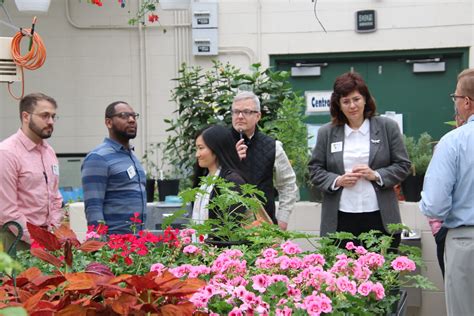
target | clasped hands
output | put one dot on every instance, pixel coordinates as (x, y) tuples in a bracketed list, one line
[(349, 179)]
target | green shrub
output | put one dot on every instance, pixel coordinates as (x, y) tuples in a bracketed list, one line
[(420, 152), (205, 98)]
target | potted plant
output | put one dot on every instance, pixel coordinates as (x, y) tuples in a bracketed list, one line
[(167, 181), (284, 280), (234, 210), (420, 152), (149, 161)]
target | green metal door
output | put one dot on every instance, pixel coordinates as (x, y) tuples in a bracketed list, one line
[(422, 98)]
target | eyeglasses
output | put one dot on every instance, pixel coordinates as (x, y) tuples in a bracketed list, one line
[(46, 116), (245, 113), (355, 100), (454, 97), (126, 115)]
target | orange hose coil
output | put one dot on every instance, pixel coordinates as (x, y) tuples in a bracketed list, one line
[(35, 58)]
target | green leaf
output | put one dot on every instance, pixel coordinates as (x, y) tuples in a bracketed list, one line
[(13, 311)]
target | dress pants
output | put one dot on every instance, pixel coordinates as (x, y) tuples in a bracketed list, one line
[(358, 223), (459, 273)]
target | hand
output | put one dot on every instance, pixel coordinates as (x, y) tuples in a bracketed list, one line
[(348, 179), (241, 149), (366, 172), (282, 225)]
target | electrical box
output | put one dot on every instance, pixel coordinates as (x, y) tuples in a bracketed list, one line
[(205, 42), (9, 71), (204, 15)]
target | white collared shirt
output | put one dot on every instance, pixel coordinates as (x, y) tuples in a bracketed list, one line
[(200, 210), (361, 197)]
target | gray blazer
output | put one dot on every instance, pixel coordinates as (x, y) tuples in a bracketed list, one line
[(387, 156)]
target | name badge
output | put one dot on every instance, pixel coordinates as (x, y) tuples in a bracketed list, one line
[(131, 172), (336, 147), (55, 169)]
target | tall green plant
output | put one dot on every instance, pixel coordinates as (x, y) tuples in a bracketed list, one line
[(420, 152), (204, 97), (289, 128)]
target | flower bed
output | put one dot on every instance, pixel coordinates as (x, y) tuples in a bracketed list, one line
[(170, 274)]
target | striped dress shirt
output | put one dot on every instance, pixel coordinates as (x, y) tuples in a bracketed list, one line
[(114, 187)]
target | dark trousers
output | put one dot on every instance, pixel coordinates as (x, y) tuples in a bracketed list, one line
[(357, 223), (440, 239)]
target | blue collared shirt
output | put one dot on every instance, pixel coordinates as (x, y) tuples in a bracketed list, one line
[(448, 189), (114, 186)]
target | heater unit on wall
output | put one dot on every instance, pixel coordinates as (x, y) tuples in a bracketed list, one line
[(9, 71)]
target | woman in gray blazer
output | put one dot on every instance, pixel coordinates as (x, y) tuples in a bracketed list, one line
[(357, 160)]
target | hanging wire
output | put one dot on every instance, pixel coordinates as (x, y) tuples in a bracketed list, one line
[(316, 16)]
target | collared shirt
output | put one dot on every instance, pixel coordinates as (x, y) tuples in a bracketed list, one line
[(285, 184), (114, 187), (449, 181), (29, 178), (200, 207), (360, 197)]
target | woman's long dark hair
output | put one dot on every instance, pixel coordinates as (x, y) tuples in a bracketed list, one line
[(221, 142)]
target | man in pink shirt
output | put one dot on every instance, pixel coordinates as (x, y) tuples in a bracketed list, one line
[(29, 171)]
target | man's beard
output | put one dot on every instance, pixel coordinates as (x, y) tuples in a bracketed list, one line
[(123, 134), (42, 133)]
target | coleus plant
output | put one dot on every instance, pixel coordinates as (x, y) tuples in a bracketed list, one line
[(95, 290)]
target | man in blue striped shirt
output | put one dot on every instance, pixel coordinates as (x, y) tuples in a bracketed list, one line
[(112, 177)]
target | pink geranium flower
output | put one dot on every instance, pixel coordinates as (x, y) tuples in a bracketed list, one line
[(402, 263), (365, 288), (290, 248), (260, 282)]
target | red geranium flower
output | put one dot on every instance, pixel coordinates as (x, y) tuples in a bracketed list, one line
[(152, 18)]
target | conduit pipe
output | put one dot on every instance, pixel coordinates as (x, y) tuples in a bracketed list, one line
[(143, 82)]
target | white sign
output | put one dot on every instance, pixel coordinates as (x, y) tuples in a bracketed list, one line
[(317, 101), (397, 117), (312, 135)]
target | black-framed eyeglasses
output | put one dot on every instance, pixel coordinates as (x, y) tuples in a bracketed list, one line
[(46, 116), (454, 97), (244, 112), (126, 115)]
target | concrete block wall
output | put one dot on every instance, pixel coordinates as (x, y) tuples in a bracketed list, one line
[(306, 217)]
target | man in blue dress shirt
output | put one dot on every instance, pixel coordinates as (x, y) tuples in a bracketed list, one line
[(112, 177), (448, 195)]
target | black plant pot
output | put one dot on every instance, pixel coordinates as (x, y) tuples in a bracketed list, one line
[(167, 187), (225, 243), (150, 190), (399, 308), (412, 187)]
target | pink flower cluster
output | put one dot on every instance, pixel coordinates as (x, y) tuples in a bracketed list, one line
[(308, 283), (311, 285), (402, 263)]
